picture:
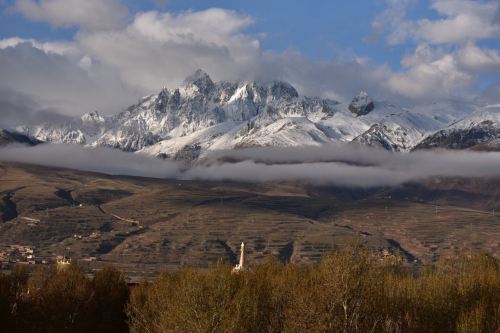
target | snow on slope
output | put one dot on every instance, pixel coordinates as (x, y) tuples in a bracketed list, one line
[(478, 130)]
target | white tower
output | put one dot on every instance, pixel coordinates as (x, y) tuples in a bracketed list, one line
[(239, 267)]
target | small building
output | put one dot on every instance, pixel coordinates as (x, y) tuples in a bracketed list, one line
[(62, 262)]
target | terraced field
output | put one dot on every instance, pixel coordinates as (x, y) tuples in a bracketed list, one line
[(146, 225)]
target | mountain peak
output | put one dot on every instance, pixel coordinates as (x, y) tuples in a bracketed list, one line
[(361, 104), (92, 117), (281, 89), (201, 80), (197, 74)]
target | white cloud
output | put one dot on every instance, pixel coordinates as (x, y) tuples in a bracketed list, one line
[(461, 21), (337, 79), (58, 47), (105, 160), (158, 49), (478, 59), (392, 22), (161, 48), (446, 61), (87, 14), (211, 26), (338, 165), (20, 109), (56, 78), (460, 28), (436, 78), (431, 72)]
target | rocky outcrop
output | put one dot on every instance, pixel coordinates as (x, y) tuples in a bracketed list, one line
[(483, 136), (393, 138), (361, 104)]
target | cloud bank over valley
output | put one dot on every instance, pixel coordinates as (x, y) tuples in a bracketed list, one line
[(340, 165)]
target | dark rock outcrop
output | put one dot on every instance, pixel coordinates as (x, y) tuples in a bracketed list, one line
[(8, 137), (361, 104)]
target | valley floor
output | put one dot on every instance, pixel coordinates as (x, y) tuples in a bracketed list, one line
[(144, 225)]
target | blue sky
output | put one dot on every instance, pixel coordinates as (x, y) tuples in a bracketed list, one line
[(321, 30), (409, 51)]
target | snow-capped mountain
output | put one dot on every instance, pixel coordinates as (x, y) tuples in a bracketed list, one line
[(201, 115)]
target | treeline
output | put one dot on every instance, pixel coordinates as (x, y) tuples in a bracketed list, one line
[(349, 291)]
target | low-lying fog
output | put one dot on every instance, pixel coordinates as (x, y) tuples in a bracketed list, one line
[(347, 164)]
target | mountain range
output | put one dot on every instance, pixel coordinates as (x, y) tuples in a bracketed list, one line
[(202, 115)]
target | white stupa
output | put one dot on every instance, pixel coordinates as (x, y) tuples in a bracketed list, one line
[(239, 267)]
